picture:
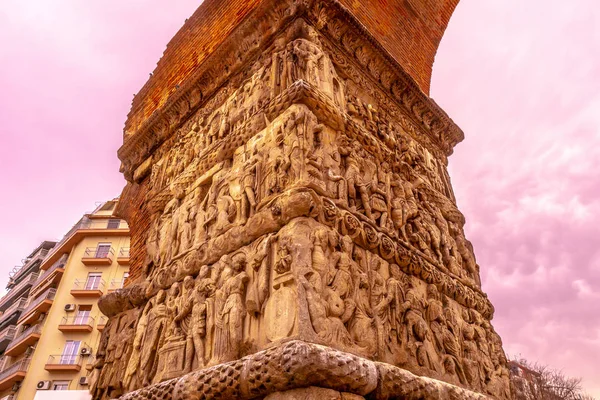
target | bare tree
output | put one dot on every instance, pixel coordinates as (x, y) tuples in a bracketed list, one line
[(534, 381)]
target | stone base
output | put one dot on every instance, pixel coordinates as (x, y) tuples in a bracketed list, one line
[(300, 370), (313, 392)]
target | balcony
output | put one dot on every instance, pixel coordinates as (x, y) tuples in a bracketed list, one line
[(84, 228), (13, 373), (19, 271), (18, 290), (8, 397), (98, 256), (88, 289), (116, 284), (50, 276), (80, 324), (6, 336), (13, 312), (37, 307), (101, 323), (63, 363), (23, 340), (123, 257)]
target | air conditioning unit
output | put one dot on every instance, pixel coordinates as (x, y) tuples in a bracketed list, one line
[(44, 385), (70, 307), (85, 351), (16, 386), (29, 351), (83, 381)]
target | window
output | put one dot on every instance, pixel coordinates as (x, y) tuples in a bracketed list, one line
[(113, 224), (82, 317), (93, 281), (103, 250), (60, 385), (70, 353)]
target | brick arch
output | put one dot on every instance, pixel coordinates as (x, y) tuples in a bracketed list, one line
[(412, 35)]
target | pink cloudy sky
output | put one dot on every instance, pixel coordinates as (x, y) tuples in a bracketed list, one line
[(522, 78)]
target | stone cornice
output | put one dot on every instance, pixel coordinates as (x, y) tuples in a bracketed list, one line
[(299, 364), (254, 34)]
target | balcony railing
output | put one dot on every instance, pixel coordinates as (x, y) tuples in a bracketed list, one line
[(99, 252), (60, 263), (78, 320), (64, 363), (77, 324), (19, 366), (89, 285), (15, 307), (8, 333), (123, 257), (6, 336), (98, 256), (33, 303), (18, 289), (16, 271), (116, 284), (23, 340), (89, 288)]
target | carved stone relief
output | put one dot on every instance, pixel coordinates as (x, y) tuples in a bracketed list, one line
[(303, 201)]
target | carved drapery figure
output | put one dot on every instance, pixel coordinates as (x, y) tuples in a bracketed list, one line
[(230, 317)]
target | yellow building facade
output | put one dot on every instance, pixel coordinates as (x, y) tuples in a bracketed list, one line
[(59, 329)]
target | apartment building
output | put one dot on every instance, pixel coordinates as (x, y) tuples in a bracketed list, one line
[(12, 304), (58, 327)]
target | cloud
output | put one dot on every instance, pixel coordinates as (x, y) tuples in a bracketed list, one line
[(526, 89), (520, 77)]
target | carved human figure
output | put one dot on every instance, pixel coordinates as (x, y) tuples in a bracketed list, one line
[(195, 310), (152, 336), (380, 195), (451, 344), (122, 352), (354, 178), (230, 318), (393, 303), (404, 198), (435, 316), (295, 146), (470, 353), (249, 178), (340, 283), (464, 248), (187, 220), (283, 264), (225, 214), (324, 165), (167, 232), (276, 166), (320, 261), (327, 327), (304, 59), (173, 303), (258, 286), (362, 324)]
